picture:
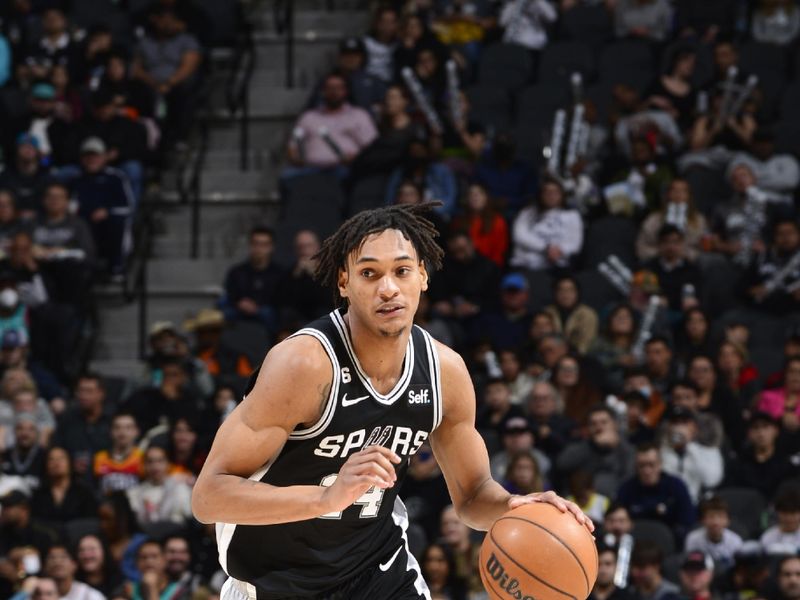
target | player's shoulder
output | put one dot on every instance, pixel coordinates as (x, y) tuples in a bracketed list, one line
[(302, 353), (450, 361)]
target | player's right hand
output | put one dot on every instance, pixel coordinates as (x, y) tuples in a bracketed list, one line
[(372, 466)]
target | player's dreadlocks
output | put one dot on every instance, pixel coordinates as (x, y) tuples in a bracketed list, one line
[(409, 219)]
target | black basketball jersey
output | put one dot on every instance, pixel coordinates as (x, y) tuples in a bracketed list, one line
[(306, 558)]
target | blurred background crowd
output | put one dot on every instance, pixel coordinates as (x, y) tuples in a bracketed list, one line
[(617, 204)]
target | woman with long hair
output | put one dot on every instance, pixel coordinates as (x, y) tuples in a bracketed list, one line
[(613, 347), (547, 234), (523, 475), (694, 336), (186, 456), (121, 533), (486, 227), (576, 391), (439, 571), (736, 372), (673, 91), (60, 497), (575, 320), (95, 566), (679, 209), (717, 398)]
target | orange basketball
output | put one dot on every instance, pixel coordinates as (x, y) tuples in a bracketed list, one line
[(536, 552)]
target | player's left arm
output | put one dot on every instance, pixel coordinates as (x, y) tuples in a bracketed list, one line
[(478, 499)]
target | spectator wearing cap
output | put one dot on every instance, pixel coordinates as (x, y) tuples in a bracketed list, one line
[(547, 234), (366, 90), (784, 295), (576, 321), (604, 586), (467, 283), (160, 497), (252, 287), (646, 579), (696, 575), (62, 497), (61, 565), (84, 429), (700, 467), (516, 437), (25, 458), (25, 177), (494, 411), (605, 454), (167, 344), (779, 173), (784, 536), (168, 59), (432, 176), (654, 494), (106, 201), (302, 298), (788, 578), (760, 465), (714, 538), (380, 44), (710, 431), (330, 135), (174, 396), (124, 141), (121, 465), (509, 326), (17, 528), (222, 361)]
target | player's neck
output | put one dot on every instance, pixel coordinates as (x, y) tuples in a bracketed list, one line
[(381, 357)]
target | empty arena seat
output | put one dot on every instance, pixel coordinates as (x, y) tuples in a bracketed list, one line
[(654, 531), (607, 236), (746, 506), (626, 54), (535, 109), (561, 59), (505, 65), (790, 102), (367, 193), (596, 290), (490, 106), (589, 24)]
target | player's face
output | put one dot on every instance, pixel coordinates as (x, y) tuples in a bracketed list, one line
[(383, 283)]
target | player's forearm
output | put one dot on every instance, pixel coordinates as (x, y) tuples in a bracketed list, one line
[(232, 499), (487, 504)]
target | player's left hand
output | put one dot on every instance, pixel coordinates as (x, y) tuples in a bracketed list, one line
[(560, 503)]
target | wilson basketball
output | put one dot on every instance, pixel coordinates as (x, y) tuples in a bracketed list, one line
[(536, 552)]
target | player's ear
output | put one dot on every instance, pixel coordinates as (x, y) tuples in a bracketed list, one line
[(343, 277), (423, 272)]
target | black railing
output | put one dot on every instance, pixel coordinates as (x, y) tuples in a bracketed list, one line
[(195, 189), (238, 87), (283, 14)]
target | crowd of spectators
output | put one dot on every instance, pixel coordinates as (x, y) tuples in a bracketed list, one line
[(615, 314)]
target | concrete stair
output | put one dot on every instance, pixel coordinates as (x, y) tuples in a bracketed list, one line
[(231, 201)]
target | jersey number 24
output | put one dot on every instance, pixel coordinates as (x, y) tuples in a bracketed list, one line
[(370, 501)]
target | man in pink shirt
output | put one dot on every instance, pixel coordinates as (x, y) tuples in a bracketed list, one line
[(331, 135)]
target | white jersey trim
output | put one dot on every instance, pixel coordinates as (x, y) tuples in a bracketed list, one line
[(436, 378), (225, 531), (330, 406), (400, 518), (405, 377)]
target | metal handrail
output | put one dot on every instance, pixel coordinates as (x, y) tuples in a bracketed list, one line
[(239, 86), (195, 188), (283, 15)]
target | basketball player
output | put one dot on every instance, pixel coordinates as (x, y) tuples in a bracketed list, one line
[(302, 478)]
